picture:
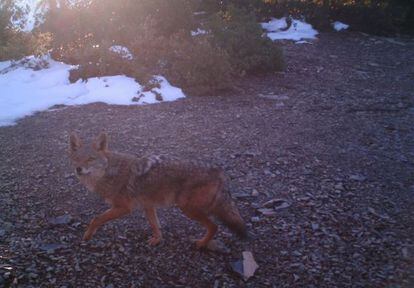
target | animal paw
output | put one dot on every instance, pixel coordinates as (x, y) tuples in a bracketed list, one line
[(153, 241), (88, 235), (200, 244)]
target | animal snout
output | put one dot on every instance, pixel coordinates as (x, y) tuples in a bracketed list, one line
[(79, 170)]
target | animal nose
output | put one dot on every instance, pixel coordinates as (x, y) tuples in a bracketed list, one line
[(78, 170)]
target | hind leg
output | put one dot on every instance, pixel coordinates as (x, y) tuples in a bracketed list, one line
[(152, 217), (204, 221)]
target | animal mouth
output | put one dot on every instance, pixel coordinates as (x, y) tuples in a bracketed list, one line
[(81, 172)]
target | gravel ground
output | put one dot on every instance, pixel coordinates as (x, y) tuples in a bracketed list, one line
[(332, 138)]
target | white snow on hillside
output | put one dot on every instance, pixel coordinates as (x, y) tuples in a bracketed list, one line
[(274, 24), (30, 18), (33, 10), (4, 64), (338, 26), (297, 31), (25, 91)]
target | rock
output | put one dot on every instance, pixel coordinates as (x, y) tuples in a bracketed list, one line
[(241, 195), (280, 105), (252, 153), (273, 202), (405, 254), (158, 96), (137, 98), (282, 206), (267, 211), (276, 203), (245, 268), (315, 226), (51, 247), (339, 186), (249, 265), (295, 277), (373, 64), (255, 193), (296, 253), (237, 266), (60, 220), (2, 232), (357, 177), (255, 219), (77, 267)]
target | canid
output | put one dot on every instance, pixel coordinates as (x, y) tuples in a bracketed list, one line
[(127, 182)]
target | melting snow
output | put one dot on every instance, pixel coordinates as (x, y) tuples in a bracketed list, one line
[(122, 51), (25, 91), (198, 32), (297, 31), (338, 26)]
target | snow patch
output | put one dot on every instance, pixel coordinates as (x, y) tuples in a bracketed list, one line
[(122, 51), (338, 26), (303, 42), (25, 91), (27, 22), (275, 24), (198, 32), (5, 64), (35, 11), (277, 30)]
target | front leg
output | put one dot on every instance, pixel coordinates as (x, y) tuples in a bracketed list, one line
[(152, 217), (108, 215)]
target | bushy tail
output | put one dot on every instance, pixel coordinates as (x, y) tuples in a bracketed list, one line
[(226, 211)]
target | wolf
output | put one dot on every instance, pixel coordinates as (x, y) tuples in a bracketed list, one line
[(127, 182)]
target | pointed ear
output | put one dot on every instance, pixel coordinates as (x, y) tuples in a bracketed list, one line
[(101, 143), (74, 142)]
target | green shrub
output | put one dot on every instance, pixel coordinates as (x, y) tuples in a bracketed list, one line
[(157, 32), (197, 64), (238, 33), (192, 63)]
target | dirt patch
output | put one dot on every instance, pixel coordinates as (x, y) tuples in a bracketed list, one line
[(332, 137)]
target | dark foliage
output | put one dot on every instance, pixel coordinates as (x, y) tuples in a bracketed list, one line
[(383, 17)]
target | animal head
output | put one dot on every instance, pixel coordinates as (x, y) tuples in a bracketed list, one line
[(89, 160)]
